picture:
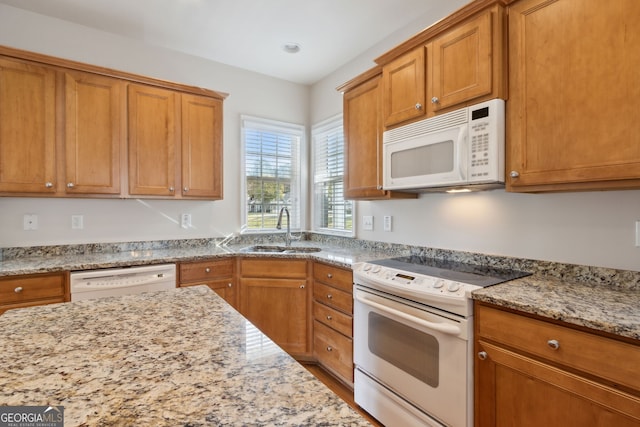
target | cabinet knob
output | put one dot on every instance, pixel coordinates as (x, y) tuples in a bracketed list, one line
[(48, 184), (482, 355), (435, 100), (418, 106), (172, 189), (329, 348), (18, 290), (70, 185), (379, 187), (230, 285), (301, 286), (207, 270), (185, 189), (329, 317), (554, 344), (329, 275), (329, 296), (514, 174)]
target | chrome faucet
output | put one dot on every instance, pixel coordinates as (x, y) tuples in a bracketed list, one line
[(287, 236)]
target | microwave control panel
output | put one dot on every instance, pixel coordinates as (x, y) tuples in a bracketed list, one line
[(486, 142)]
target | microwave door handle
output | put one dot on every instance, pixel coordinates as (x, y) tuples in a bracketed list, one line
[(444, 328), (464, 152)]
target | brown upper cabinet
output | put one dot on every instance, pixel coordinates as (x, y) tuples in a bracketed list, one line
[(27, 127), (458, 61), (574, 97), (69, 129)]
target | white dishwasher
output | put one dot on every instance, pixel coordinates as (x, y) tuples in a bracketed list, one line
[(90, 284)]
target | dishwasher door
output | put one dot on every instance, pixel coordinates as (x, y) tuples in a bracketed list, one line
[(121, 281)]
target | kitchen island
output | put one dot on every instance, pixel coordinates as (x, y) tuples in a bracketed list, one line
[(178, 357)]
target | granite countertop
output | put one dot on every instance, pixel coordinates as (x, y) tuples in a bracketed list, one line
[(607, 308), (168, 358)]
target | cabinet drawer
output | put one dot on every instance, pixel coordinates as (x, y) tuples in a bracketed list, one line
[(603, 357), (19, 289), (273, 268), (206, 270), (333, 297), (333, 350), (334, 276), (333, 318)]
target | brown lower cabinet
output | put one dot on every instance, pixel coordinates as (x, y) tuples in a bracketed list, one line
[(333, 320), (218, 274), (33, 289), (276, 297), (532, 372)]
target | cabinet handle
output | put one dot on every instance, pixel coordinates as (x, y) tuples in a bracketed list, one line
[(514, 174), (482, 355), (435, 100), (207, 270), (18, 290), (172, 189), (418, 106), (329, 275), (329, 317), (301, 286), (329, 348), (185, 189), (554, 344), (48, 184), (70, 185), (329, 296)]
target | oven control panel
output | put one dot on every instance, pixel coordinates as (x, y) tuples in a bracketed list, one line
[(392, 278)]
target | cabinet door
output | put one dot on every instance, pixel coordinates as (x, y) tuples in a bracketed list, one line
[(403, 82), (280, 309), (95, 133), (27, 128), (153, 141), (201, 147), (461, 66), (574, 98), (512, 389)]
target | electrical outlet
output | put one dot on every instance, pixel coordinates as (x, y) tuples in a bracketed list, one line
[(367, 222), (387, 222), (185, 220), (30, 222), (77, 222)]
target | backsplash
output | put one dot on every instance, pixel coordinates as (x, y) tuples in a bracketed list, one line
[(567, 272)]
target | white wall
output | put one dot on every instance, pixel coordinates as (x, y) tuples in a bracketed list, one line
[(130, 220), (590, 228)]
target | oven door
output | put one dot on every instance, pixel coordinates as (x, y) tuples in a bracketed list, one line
[(413, 352)]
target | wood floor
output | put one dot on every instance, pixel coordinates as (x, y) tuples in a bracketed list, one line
[(340, 389)]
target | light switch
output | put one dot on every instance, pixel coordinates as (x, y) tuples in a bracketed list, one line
[(367, 222)]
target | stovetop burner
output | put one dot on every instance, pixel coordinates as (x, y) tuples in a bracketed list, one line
[(473, 274)]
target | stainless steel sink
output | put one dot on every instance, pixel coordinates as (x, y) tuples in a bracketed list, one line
[(279, 249)]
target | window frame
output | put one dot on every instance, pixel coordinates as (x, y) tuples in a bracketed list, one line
[(318, 130), (276, 126)]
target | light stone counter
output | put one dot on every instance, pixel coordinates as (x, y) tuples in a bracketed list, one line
[(172, 358)]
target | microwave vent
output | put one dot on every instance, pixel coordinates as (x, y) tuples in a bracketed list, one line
[(432, 124)]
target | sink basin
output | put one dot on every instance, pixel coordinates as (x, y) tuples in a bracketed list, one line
[(280, 249)]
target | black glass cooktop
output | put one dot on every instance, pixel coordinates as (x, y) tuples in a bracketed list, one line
[(473, 274)]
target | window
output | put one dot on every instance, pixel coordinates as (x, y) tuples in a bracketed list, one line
[(271, 170), (331, 213)]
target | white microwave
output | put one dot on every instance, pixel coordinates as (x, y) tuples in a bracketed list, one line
[(461, 149)]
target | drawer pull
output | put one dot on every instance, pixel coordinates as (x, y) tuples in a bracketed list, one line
[(554, 344), (329, 317), (329, 296), (207, 270), (482, 355), (330, 276), (301, 286), (329, 348), (18, 290)]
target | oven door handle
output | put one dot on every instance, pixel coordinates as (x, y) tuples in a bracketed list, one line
[(444, 328)]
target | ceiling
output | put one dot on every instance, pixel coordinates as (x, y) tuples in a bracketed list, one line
[(250, 34)]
